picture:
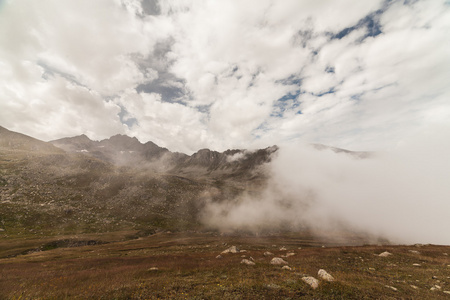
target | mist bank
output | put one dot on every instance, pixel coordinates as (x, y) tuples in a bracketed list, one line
[(402, 195)]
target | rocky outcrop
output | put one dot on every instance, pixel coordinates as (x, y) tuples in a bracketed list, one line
[(324, 275), (278, 261), (311, 281)]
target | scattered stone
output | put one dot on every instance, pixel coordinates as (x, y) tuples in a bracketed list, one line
[(434, 277), (414, 251), (313, 282), (445, 253), (384, 254), (267, 253), (324, 275), (232, 249), (283, 248), (1, 229), (243, 251), (299, 248), (286, 268), (414, 287), (416, 265), (436, 288), (278, 261), (153, 269), (371, 269), (447, 292), (290, 254), (391, 287), (242, 256), (273, 286), (251, 258), (219, 256), (247, 262)]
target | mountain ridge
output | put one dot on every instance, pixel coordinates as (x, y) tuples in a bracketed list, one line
[(125, 150)]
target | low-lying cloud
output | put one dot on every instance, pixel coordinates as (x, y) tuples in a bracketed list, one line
[(402, 195)]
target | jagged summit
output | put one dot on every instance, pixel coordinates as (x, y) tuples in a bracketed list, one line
[(124, 150)]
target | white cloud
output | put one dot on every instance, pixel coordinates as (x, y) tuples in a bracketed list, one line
[(171, 125), (229, 63), (61, 61), (402, 195)]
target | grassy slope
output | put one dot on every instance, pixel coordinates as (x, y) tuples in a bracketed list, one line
[(188, 269)]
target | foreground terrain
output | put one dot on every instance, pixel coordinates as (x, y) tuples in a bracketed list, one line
[(118, 219), (184, 265)]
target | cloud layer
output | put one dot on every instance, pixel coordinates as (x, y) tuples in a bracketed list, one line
[(223, 74), (401, 195)]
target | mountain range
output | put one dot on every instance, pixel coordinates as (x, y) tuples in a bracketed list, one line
[(78, 185)]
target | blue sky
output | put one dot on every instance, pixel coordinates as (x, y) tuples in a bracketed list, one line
[(361, 75)]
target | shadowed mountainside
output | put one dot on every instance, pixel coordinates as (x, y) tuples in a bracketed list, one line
[(75, 184), (115, 184)]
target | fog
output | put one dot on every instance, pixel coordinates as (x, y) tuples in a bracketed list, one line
[(402, 195)]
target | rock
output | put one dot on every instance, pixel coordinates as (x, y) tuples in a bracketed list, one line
[(219, 256), (267, 253), (384, 254), (434, 277), (414, 287), (290, 254), (251, 258), (313, 282), (232, 249), (445, 253), (447, 292), (153, 269), (414, 251), (286, 268), (416, 265), (247, 262), (391, 287), (278, 261), (324, 275), (371, 269), (283, 248), (273, 286)]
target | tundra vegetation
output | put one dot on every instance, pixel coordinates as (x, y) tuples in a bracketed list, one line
[(102, 224)]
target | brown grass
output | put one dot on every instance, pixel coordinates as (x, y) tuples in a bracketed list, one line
[(188, 269)]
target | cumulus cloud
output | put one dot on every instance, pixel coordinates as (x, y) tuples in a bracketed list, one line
[(62, 62), (344, 73), (166, 124)]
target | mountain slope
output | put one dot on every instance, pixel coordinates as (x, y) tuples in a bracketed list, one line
[(16, 141), (45, 190)]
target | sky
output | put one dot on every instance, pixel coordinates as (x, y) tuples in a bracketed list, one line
[(359, 75)]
